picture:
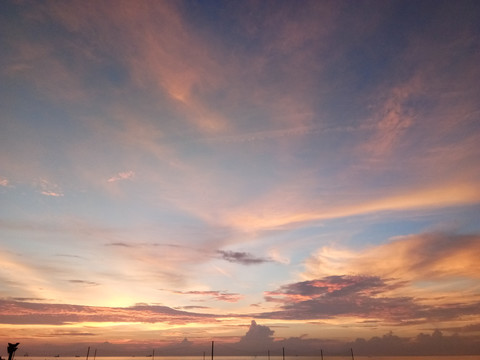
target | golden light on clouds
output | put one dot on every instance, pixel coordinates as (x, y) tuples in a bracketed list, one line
[(262, 174)]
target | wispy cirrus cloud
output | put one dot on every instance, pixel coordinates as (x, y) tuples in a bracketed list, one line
[(121, 244), (123, 175), (175, 63), (393, 121), (49, 188), (214, 294), (268, 213)]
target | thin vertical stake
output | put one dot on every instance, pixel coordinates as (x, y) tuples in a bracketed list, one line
[(95, 354), (351, 350), (212, 350), (88, 352), (283, 353), (321, 353), (268, 354)]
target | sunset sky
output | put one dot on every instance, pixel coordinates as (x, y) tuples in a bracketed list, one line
[(263, 174)]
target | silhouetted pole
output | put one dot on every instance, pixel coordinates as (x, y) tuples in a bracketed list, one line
[(204, 355), (11, 350), (283, 353), (268, 354), (351, 350), (321, 353), (212, 350), (88, 352), (95, 354)]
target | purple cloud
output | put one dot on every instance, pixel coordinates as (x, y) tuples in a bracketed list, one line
[(362, 296), (17, 312)]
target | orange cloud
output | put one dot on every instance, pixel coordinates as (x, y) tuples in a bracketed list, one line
[(162, 54), (272, 214), (447, 262)]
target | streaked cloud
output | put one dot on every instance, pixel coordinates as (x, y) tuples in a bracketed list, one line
[(308, 175), (242, 257), (217, 295), (14, 312), (275, 216), (124, 175), (422, 257), (83, 282)]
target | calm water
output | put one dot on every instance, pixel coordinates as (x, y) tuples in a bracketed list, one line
[(325, 357)]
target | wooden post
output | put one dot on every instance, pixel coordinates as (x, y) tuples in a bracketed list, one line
[(321, 353), (283, 353), (212, 350), (95, 354), (268, 354), (351, 350), (88, 352)]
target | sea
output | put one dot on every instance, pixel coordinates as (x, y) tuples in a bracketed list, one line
[(325, 357)]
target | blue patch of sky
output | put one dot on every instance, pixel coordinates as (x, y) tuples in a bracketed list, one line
[(372, 58), (63, 45), (382, 227), (49, 126), (72, 215), (382, 231), (249, 166), (225, 22)]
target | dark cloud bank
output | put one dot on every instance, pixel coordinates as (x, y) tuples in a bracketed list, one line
[(330, 297), (359, 296), (259, 340)]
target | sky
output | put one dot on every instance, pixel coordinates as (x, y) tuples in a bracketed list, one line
[(262, 174)]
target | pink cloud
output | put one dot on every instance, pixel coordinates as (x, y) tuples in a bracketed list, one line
[(176, 63), (17, 312), (267, 211), (363, 297), (3, 181), (125, 175), (48, 188)]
